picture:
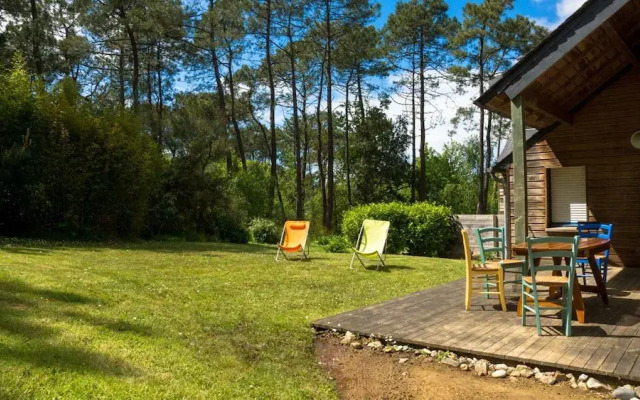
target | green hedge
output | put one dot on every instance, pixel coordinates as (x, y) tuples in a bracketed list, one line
[(420, 229)]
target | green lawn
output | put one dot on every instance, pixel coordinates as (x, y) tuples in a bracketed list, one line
[(179, 320)]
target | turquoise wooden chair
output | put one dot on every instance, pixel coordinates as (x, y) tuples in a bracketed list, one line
[(595, 230), (493, 246), (564, 281)]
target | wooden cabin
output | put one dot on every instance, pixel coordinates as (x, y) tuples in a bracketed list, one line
[(574, 154)]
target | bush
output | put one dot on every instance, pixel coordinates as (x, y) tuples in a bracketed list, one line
[(335, 244), (264, 231), (420, 229)]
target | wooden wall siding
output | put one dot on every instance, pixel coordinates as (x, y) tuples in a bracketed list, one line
[(599, 139)]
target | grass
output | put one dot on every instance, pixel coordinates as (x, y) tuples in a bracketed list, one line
[(179, 320)]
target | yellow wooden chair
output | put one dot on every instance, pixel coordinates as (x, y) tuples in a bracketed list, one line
[(478, 273)]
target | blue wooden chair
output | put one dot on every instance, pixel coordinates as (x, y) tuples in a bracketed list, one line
[(492, 244), (564, 281), (595, 230)]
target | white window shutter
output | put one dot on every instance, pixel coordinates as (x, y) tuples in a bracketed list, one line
[(568, 195)]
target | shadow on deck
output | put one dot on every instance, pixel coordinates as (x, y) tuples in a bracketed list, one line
[(608, 344)]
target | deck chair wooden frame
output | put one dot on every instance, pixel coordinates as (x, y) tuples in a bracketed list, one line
[(357, 253), (302, 248)]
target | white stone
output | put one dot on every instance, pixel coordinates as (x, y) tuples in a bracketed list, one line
[(451, 362), (582, 385), (376, 344), (548, 379), (464, 367), (499, 373), (583, 377), (501, 367), (526, 373), (515, 374), (596, 385), (356, 345), (623, 393), (403, 360), (481, 367)]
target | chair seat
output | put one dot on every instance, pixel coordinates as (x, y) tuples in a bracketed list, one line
[(290, 249), (490, 266), (548, 280), (511, 262)]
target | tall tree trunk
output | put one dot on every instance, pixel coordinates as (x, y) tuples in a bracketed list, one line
[(121, 83), (219, 88), (160, 106), (330, 178), (296, 126), (319, 152), (234, 120), (35, 38), (360, 97), (482, 204), (136, 67), (422, 189), (413, 127), (305, 124), (347, 158), (272, 115)]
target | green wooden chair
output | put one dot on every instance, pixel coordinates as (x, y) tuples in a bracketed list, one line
[(564, 281), (493, 247)]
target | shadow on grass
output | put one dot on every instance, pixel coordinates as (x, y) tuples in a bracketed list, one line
[(15, 286), (115, 325), (65, 358), (22, 247), (387, 268), (27, 312)]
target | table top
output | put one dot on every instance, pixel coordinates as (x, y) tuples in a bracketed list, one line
[(592, 245)]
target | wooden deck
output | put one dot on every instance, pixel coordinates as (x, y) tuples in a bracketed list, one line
[(608, 344)]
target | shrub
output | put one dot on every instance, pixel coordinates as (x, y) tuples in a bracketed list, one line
[(420, 229), (335, 244), (264, 231)]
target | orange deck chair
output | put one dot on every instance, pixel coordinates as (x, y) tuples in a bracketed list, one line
[(294, 239)]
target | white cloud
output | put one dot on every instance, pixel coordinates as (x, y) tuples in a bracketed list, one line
[(564, 8)]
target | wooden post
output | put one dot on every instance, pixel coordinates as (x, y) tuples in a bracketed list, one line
[(519, 169)]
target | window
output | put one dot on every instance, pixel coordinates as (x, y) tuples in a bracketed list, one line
[(568, 195)]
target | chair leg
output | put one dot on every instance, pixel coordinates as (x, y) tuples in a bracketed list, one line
[(501, 290), (467, 294), (278, 254), (486, 286), (536, 307), (584, 273), (569, 312), (524, 310), (352, 260)]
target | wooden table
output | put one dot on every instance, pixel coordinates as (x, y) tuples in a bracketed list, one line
[(588, 248)]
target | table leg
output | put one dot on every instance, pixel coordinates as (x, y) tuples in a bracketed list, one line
[(602, 289), (578, 303)]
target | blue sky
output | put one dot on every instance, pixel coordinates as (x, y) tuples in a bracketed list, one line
[(546, 12)]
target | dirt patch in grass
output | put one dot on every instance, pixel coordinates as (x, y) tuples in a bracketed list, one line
[(368, 374)]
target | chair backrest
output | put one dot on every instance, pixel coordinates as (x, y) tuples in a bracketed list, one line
[(491, 240), (373, 236), (467, 251), (596, 230), (557, 248), (295, 233)]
